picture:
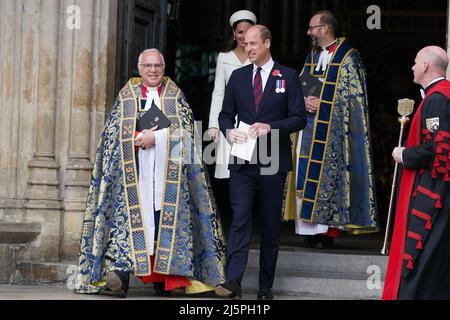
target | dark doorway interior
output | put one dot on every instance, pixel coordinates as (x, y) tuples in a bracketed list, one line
[(141, 24)]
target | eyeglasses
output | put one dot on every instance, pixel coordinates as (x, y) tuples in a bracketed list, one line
[(310, 28), (147, 66)]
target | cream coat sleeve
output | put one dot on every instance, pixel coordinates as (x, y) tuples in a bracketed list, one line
[(218, 93)]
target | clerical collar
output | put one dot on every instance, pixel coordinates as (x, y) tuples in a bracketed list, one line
[(433, 83), (331, 46), (325, 56), (423, 92), (146, 90)]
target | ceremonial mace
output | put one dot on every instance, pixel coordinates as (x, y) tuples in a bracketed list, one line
[(405, 108)]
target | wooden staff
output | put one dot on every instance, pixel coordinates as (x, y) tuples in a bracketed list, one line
[(405, 108)]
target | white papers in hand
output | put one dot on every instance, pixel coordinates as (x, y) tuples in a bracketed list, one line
[(244, 150)]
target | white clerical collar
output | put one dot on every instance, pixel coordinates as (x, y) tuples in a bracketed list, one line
[(152, 97), (152, 88), (267, 67), (329, 45), (434, 81), (422, 91), (325, 58)]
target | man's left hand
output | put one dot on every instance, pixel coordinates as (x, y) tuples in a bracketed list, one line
[(148, 138), (397, 154), (311, 104), (259, 129)]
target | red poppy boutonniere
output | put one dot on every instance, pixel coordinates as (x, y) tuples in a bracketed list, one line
[(279, 83), (277, 73)]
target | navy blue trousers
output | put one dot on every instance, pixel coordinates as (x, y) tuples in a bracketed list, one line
[(244, 184)]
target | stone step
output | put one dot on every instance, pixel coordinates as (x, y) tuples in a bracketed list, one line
[(318, 274), (326, 274), (324, 261), (322, 285), (300, 272)]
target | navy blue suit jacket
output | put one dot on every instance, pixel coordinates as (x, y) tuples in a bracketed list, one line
[(283, 111)]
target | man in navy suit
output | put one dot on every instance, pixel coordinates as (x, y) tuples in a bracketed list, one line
[(267, 96)]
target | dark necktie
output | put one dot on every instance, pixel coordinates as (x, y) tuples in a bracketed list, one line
[(257, 88)]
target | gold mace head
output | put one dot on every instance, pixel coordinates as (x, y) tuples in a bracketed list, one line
[(405, 107)]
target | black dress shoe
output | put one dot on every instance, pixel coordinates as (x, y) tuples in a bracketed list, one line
[(265, 294), (117, 284), (160, 291), (231, 289), (324, 242), (310, 241)]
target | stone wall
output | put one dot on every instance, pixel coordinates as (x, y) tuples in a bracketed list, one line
[(56, 79)]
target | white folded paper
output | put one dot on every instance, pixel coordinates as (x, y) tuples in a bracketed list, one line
[(244, 150)]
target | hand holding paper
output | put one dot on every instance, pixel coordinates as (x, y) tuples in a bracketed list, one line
[(259, 129), (238, 136), (245, 147)]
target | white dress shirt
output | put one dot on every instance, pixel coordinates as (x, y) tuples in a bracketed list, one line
[(266, 69)]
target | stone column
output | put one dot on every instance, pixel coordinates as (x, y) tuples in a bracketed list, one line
[(10, 58), (56, 80), (74, 121), (54, 89), (42, 195), (20, 54), (84, 89)]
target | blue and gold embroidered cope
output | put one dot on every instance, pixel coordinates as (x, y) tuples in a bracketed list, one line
[(335, 179), (190, 239)]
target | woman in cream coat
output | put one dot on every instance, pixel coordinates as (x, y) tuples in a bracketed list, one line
[(233, 58)]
